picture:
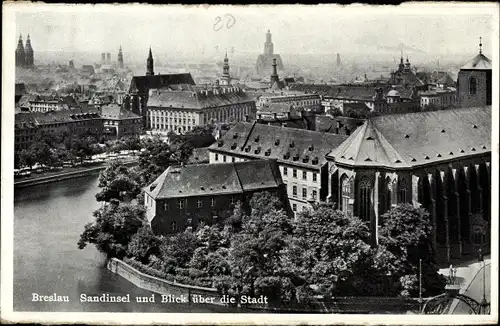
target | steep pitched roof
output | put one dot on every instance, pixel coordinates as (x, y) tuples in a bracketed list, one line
[(287, 145), (480, 62), (142, 84), (325, 123), (413, 139), (215, 179)]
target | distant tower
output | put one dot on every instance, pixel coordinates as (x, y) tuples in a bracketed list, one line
[(108, 57), (407, 64), (226, 79), (401, 63), (268, 45), (339, 63), (71, 64), (29, 54), (150, 64), (103, 57), (20, 59), (120, 58), (274, 76)]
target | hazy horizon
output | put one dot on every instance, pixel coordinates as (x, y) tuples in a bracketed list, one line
[(189, 30)]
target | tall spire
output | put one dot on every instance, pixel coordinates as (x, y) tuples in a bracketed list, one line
[(225, 80), (274, 76), (150, 64), (120, 58), (20, 56), (28, 53), (268, 45), (480, 45)]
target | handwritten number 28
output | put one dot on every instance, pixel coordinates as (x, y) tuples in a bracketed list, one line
[(219, 22)]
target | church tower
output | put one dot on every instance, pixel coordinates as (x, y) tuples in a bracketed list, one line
[(20, 58), (474, 86), (268, 45), (150, 64), (274, 76), (29, 54), (120, 58), (226, 78)]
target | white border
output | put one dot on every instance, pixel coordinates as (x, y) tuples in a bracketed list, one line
[(8, 69)]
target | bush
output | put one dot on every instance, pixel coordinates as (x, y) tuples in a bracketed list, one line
[(143, 244)]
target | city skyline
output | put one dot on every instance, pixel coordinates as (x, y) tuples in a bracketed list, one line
[(100, 30)]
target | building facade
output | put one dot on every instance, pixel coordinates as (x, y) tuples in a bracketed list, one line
[(300, 155), (440, 98), (118, 122), (307, 102), (439, 160), (182, 110), (474, 86), (30, 126), (186, 197)]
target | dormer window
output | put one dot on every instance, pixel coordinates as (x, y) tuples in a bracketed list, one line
[(220, 143), (311, 148), (257, 139), (277, 142), (233, 146), (235, 136), (286, 156), (315, 160), (268, 152), (247, 149), (292, 144), (257, 151), (305, 159)]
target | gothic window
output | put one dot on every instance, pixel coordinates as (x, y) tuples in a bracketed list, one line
[(365, 198), (173, 226), (388, 194), (472, 86), (213, 202), (199, 203), (180, 203), (402, 191), (346, 193)]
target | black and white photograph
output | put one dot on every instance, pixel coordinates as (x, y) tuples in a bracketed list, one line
[(250, 164)]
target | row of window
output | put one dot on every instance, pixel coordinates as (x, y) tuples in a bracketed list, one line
[(182, 203), (314, 193), (304, 174)]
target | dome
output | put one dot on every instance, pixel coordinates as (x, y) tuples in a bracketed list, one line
[(393, 93)]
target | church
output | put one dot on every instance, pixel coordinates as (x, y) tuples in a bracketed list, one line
[(265, 60), (24, 54)]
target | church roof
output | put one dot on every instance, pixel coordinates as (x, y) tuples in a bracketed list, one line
[(215, 179), (414, 139), (142, 84), (480, 62)]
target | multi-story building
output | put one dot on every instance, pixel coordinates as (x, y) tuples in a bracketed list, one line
[(299, 153), (307, 102), (439, 160), (437, 97), (29, 126), (119, 122), (474, 86), (334, 96), (188, 196), (181, 110)]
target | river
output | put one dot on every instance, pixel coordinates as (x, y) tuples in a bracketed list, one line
[(48, 220)]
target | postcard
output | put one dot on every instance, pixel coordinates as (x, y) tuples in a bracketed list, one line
[(252, 164)]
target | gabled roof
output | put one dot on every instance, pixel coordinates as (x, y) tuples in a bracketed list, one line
[(288, 145), (116, 112), (413, 139), (480, 62), (215, 179), (142, 84), (325, 123)]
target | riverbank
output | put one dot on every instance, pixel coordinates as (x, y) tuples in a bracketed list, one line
[(67, 173)]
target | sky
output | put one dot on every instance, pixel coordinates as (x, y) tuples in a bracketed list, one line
[(189, 30)]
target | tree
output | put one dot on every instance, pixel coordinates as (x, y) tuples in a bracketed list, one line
[(406, 233), (176, 250), (113, 228), (334, 112), (328, 249), (27, 157), (143, 244), (118, 182)]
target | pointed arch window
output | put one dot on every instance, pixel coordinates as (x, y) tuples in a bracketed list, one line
[(365, 188), (402, 191), (346, 193), (388, 194), (472, 86)]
